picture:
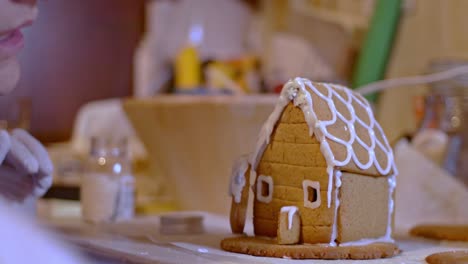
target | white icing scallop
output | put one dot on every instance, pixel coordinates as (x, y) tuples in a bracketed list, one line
[(238, 178), (291, 210)]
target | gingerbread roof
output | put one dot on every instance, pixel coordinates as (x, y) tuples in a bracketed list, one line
[(341, 120)]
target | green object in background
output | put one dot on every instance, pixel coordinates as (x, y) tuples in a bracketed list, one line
[(373, 58)]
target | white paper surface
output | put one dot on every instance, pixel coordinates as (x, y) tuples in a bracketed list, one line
[(425, 193)]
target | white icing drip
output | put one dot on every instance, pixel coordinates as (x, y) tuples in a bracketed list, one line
[(316, 186), (291, 210), (391, 203), (334, 234), (253, 176), (296, 91), (238, 178), (260, 197)]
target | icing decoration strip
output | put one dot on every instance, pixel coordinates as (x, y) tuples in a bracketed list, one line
[(334, 233), (291, 210), (238, 178), (391, 203)]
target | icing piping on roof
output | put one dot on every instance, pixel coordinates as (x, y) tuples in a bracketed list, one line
[(296, 91)]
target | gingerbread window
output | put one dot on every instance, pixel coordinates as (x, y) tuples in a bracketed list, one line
[(311, 194), (264, 188)]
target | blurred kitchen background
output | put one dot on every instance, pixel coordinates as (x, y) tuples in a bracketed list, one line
[(182, 70)]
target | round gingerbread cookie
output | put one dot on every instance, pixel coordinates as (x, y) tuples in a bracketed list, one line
[(450, 257), (441, 232), (269, 248)]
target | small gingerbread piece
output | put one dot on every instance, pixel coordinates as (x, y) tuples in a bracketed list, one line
[(264, 247), (289, 226), (441, 232), (177, 223), (450, 257), (240, 183)]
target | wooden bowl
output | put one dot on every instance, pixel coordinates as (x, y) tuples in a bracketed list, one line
[(192, 142)]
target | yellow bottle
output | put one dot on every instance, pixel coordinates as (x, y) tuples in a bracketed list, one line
[(187, 69)]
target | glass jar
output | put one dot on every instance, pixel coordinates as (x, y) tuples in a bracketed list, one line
[(446, 109), (107, 188)]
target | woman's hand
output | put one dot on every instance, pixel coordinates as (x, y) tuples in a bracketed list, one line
[(25, 166)]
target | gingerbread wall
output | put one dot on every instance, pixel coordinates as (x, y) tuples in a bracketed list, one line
[(358, 221), (292, 157)]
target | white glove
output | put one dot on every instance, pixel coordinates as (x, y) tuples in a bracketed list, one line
[(25, 166)]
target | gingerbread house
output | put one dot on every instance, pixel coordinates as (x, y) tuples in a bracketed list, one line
[(322, 155)]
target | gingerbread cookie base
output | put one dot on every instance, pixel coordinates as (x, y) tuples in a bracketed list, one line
[(451, 257), (441, 232), (269, 248)]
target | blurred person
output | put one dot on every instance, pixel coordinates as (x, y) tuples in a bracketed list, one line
[(25, 167)]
